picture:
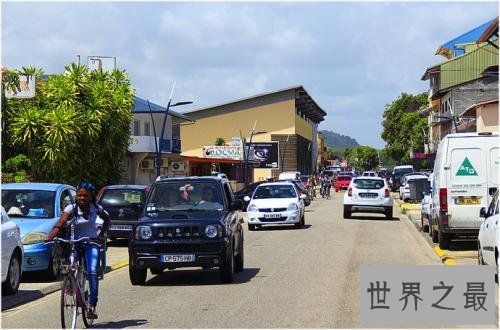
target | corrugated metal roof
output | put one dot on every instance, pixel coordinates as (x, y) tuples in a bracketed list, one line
[(142, 106), (490, 31)]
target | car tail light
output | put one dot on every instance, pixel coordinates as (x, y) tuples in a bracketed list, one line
[(349, 192), (387, 194), (443, 199)]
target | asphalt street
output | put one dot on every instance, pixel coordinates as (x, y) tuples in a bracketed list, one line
[(307, 278)]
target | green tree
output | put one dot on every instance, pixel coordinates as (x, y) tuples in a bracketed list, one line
[(403, 128), (220, 141), (363, 158), (77, 126)]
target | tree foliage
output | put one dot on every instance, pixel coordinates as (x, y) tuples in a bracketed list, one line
[(363, 157), (220, 141), (77, 126), (403, 128)]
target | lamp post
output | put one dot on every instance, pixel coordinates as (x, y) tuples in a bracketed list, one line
[(159, 145), (246, 153), (284, 150)]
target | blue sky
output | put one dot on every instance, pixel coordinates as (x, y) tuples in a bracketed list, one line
[(352, 57)]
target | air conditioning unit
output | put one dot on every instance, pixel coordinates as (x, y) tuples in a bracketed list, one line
[(177, 166), (147, 164)]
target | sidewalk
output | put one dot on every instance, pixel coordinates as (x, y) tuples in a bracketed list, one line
[(32, 288)]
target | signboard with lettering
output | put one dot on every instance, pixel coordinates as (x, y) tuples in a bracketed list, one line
[(228, 152), (27, 88), (265, 153)]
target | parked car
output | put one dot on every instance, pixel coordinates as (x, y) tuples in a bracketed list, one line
[(369, 173), (248, 191), (368, 194), (12, 255), (123, 204), (188, 222), (36, 209), (425, 208), (342, 182), (465, 179), (404, 189), (302, 190), (397, 173), (276, 203), (489, 235)]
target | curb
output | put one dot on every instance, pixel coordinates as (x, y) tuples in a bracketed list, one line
[(16, 300)]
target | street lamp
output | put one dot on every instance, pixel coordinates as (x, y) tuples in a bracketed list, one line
[(159, 145)]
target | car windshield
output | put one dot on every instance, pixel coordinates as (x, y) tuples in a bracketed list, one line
[(28, 203), (192, 196), (344, 178), (121, 197), (368, 184), (274, 191)]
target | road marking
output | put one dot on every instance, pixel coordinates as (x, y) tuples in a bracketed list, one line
[(118, 264), (445, 258)]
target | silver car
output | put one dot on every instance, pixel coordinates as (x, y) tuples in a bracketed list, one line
[(368, 194)]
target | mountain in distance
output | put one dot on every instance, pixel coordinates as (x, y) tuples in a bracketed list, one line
[(335, 141)]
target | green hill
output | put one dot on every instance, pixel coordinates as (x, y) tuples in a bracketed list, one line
[(335, 141)]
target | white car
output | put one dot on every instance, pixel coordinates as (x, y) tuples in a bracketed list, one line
[(12, 255), (404, 189), (489, 235), (369, 173), (368, 194), (275, 203), (425, 208)]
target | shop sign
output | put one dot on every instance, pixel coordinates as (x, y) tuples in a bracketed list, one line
[(266, 154), (228, 152)]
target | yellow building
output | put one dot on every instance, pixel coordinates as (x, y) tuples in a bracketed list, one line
[(288, 117)]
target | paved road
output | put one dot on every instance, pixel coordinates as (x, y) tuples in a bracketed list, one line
[(304, 278)]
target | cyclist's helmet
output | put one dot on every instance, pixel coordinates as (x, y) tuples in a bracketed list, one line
[(85, 185)]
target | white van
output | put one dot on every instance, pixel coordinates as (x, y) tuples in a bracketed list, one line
[(465, 179), (289, 176)]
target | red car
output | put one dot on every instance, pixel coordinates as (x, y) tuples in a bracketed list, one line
[(342, 182)]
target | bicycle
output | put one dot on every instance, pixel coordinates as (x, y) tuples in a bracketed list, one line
[(75, 288)]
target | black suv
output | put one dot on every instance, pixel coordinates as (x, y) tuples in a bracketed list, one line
[(188, 222)]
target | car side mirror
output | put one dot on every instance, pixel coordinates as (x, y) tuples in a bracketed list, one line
[(237, 205), (303, 196), (482, 212), (246, 199)]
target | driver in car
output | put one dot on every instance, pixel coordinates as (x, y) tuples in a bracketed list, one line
[(208, 198)]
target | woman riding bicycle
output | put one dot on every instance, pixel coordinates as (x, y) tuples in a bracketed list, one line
[(86, 214)]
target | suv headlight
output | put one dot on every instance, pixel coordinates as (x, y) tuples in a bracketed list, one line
[(293, 207), (252, 208), (212, 231), (34, 237), (143, 232)]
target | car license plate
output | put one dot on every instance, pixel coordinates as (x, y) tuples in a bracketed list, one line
[(468, 200), (272, 215), (178, 258), (121, 227)]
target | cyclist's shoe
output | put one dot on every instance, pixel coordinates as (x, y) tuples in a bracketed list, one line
[(91, 314)]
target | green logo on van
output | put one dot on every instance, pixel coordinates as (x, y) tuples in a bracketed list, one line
[(466, 169)]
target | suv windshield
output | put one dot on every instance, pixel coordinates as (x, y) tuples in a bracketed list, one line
[(121, 197), (274, 191), (368, 184), (29, 203), (202, 196)]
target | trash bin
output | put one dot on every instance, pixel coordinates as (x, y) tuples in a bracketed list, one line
[(417, 188)]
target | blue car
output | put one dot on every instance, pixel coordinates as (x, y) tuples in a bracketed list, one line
[(36, 209)]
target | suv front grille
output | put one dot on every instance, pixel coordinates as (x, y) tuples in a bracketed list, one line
[(179, 232), (178, 247)]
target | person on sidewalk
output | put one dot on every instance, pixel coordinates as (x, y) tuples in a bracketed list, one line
[(86, 212)]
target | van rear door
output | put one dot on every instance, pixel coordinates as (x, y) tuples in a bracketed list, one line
[(467, 180)]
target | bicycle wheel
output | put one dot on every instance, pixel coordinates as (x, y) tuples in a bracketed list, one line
[(85, 286), (68, 304)]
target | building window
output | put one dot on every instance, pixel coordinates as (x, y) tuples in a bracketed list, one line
[(146, 129), (137, 128)]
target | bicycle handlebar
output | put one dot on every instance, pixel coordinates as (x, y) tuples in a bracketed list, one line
[(79, 240)]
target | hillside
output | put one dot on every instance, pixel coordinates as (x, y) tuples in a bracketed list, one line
[(334, 140)]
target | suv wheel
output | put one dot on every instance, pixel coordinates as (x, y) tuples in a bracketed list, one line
[(137, 276), (388, 213), (444, 240), (434, 235), (226, 270), (239, 262), (251, 227), (347, 213)]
